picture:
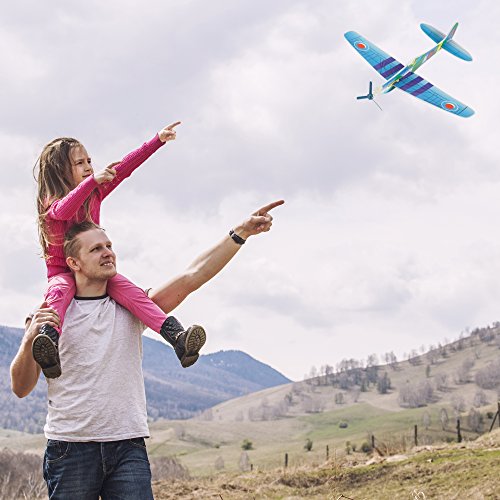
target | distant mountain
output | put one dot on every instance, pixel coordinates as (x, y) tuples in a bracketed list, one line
[(171, 391)]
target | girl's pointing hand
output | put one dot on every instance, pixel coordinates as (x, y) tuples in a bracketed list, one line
[(106, 175), (168, 133)]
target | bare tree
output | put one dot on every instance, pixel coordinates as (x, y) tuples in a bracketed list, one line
[(208, 415), (267, 411), (355, 394), (443, 352), (163, 468), (384, 384), (392, 360), (180, 432), (219, 463), (475, 420), (414, 358), (426, 420), (458, 404), (244, 462), (313, 404), (489, 376), (463, 371), (413, 395), (432, 355), (480, 399), (441, 380), (372, 360), (443, 416)]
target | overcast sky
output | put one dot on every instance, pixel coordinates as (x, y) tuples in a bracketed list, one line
[(389, 236)]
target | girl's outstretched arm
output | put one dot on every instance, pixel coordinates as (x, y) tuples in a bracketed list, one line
[(136, 158), (67, 207)]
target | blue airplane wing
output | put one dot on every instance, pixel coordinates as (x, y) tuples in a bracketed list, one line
[(422, 89), (386, 65)]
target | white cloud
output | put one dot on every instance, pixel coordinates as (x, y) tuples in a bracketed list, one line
[(388, 237)]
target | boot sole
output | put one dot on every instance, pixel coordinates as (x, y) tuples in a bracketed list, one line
[(46, 355), (195, 340)]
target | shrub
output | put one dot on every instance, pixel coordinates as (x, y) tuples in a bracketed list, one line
[(348, 447), (247, 445), (366, 447), (308, 446), (21, 475)]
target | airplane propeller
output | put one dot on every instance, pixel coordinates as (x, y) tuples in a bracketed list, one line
[(369, 96)]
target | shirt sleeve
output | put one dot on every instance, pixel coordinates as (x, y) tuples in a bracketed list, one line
[(129, 163), (67, 207)]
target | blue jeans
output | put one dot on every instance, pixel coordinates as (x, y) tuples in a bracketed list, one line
[(116, 470)]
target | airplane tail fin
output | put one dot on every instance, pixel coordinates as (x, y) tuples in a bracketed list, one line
[(449, 36), (448, 43)]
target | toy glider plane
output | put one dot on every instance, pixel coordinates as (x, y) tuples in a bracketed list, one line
[(404, 77)]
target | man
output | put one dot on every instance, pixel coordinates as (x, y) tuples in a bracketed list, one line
[(97, 421)]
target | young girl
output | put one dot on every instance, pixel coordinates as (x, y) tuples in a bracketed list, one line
[(70, 192)]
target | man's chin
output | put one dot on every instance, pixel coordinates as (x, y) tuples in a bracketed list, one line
[(111, 273), (107, 273)]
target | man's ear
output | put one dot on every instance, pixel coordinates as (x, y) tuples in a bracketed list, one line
[(73, 263)]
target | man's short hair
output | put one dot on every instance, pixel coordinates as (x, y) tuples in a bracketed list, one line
[(72, 245)]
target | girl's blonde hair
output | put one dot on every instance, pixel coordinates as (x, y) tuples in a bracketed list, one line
[(54, 175)]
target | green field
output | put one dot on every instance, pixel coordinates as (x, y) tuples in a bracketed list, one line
[(198, 444)]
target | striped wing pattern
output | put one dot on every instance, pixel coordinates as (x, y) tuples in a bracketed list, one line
[(419, 87), (382, 62)]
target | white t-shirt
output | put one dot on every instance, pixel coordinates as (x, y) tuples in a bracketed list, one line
[(100, 395)]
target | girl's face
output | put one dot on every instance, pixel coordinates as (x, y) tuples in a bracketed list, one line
[(81, 164)]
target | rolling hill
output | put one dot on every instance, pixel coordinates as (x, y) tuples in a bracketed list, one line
[(171, 391), (442, 383)]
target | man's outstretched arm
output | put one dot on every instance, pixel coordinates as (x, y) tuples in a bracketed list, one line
[(24, 371), (211, 262)]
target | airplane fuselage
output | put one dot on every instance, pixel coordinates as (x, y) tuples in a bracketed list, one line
[(389, 85)]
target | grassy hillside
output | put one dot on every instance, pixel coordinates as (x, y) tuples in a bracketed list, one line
[(441, 472), (281, 419)]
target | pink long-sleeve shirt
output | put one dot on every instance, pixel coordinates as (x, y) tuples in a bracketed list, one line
[(69, 210)]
